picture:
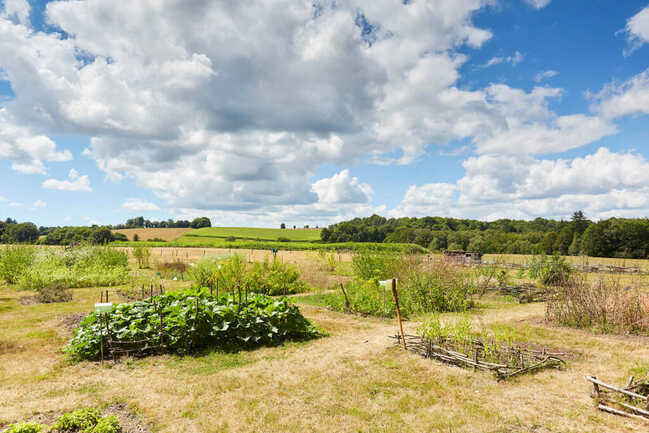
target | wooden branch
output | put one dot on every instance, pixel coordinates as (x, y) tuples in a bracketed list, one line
[(616, 389)]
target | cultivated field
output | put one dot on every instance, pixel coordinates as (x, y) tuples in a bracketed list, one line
[(146, 234), (250, 233), (352, 380)]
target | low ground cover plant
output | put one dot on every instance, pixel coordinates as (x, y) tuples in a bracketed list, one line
[(85, 420), (268, 278), (193, 320), (604, 306)]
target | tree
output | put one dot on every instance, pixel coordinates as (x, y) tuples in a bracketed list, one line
[(201, 222), (136, 237), (548, 242), (579, 222), (101, 236), (564, 239), (575, 246), (282, 226)]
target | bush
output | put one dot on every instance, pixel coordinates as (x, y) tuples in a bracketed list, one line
[(603, 306), (136, 237), (142, 255), (54, 292), (274, 278), (230, 239), (13, 261), (156, 240), (223, 323)]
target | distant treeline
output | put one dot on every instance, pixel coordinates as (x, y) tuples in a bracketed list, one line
[(12, 232), (615, 237), (140, 222)]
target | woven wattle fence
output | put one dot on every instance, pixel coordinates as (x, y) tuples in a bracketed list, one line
[(504, 361)]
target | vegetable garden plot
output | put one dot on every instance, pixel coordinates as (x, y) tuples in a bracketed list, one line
[(503, 360), (186, 322), (630, 401)]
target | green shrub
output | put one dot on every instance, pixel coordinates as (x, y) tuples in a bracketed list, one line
[(14, 260), (26, 427), (80, 420), (223, 323)]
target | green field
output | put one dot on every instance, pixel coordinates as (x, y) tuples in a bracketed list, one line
[(253, 234), (207, 242)]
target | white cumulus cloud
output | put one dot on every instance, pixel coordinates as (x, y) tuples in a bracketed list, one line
[(637, 31), (135, 204), (75, 183), (544, 75)]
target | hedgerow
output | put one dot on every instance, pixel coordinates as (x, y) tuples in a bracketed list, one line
[(194, 320)]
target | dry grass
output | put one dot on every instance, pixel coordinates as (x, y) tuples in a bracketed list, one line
[(352, 381), (146, 234)]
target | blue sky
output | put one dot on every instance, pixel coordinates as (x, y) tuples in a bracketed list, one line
[(306, 113)]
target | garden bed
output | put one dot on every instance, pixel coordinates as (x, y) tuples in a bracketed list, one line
[(186, 322), (504, 361)]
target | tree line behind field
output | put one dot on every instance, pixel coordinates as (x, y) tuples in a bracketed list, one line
[(614, 237), (13, 232)]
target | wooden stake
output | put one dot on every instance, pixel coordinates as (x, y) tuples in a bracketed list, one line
[(396, 304), (347, 306)]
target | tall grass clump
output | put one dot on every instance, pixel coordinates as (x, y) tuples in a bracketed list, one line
[(437, 287), (604, 306), (14, 260), (74, 267)]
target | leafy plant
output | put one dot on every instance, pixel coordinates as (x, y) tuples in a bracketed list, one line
[(107, 424), (79, 420), (553, 271), (26, 427), (193, 320)]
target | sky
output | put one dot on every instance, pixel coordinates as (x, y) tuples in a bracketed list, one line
[(314, 111)]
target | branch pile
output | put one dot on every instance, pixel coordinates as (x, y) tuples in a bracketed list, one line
[(631, 401)]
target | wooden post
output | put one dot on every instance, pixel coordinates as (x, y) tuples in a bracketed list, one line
[(101, 343), (396, 304), (106, 295), (347, 306), (217, 289)]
